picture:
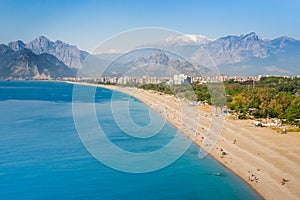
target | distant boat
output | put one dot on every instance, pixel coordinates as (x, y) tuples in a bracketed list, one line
[(218, 174)]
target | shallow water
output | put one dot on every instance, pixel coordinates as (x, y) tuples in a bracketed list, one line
[(42, 157)]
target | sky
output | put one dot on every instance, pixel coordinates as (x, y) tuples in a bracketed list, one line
[(86, 23)]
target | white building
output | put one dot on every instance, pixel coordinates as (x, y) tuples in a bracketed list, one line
[(181, 79)]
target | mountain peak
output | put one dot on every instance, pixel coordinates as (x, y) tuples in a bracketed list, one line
[(159, 57), (68, 54), (194, 38), (285, 38), (251, 36), (284, 41), (42, 38), (184, 40), (17, 45), (39, 44)]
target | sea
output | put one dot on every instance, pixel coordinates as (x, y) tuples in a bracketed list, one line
[(42, 156)]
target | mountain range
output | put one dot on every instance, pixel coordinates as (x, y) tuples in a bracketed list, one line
[(153, 63), (40, 58), (27, 65), (247, 54), (70, 55)]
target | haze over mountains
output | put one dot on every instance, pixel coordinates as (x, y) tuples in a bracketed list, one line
[(40, 58), (68, 54), (153, 63), (25, 64), (247, 54)]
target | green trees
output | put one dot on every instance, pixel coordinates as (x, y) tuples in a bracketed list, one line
[(280, 103), (239, 102), (292, 113), (158, 87), (270, 97)]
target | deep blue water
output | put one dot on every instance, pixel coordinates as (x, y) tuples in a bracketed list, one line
[(42, 157)]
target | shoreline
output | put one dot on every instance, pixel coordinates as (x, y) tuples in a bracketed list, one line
[(251, 153)]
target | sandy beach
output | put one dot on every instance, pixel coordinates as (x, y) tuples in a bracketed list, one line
[(268, 161)]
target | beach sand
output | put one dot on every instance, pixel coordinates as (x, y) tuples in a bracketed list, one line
[(268, 161)]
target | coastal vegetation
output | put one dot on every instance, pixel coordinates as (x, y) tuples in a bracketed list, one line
[(270, 97)]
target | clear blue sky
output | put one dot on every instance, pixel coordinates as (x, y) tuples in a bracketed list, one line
[(85, 23)]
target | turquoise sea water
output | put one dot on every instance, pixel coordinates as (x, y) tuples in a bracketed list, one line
[(42, 157)]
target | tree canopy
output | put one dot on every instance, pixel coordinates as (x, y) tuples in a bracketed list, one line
[(269, 97)]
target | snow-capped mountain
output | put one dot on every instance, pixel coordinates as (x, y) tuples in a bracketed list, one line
[(247, 54), (184, 40), (244, 54)]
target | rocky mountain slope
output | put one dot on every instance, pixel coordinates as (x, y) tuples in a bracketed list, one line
[(245, 54), (68, 54), (153, 63), (27, 65)]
